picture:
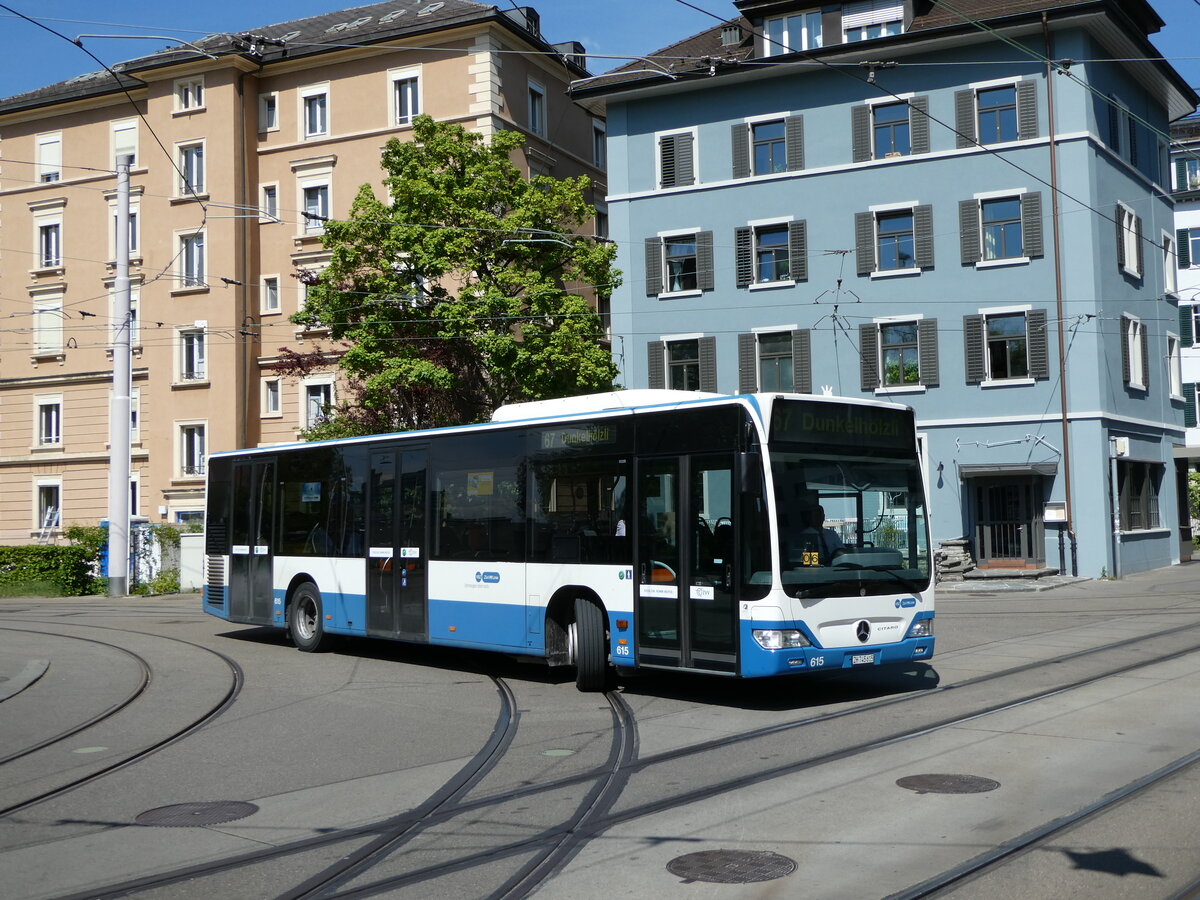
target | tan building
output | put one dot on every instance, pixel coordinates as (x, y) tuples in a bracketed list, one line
[(242, 143)]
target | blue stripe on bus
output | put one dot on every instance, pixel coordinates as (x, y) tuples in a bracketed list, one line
[(758, 662), (495, 626)]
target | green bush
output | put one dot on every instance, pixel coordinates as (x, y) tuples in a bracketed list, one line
[(68, 570)]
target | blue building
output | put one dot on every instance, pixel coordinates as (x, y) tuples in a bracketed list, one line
[(964, 207)]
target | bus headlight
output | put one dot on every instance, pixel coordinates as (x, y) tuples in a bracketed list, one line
[(776, 639), (921, 628)]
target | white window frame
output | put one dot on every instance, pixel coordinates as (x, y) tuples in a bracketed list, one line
[(663, 236), (268, 203), (1170, 259), (49, 157), (48, 242), (185, 449), (189, 161), (658, 174), (771, 45), (1019, 380), (600, 144), (135, 415), (311, 93), (48, 326), (135, 226), (135, 491), (119, 137), (189, 94), (312, 227), (983, 262), (189, 277), (1174, 366), (41, 438), (865, 13), (1129, 238), (759, 333), (135, 331), (191, 360), (271, 387), (903, 388), (268, 112), (329, 389), (537, 107), (397, 78), (1133, 346), (265, 307), (755, 226), (54, 482)]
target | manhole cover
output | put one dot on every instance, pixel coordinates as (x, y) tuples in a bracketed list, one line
[(948, 784), (731, 866), (185, 814)]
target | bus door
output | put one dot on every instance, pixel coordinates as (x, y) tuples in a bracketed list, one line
[(686, 610), (396, 547), (251, 585)]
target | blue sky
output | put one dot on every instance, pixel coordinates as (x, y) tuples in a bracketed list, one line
[(31, 57)]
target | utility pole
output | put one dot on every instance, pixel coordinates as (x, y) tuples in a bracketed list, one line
[(118, 419)]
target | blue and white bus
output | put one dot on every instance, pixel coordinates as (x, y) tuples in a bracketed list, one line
[(636, 529)]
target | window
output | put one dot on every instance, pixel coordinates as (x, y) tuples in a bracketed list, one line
[(49, 422), (314, 113), (867, 19), (50, 245), (997, 114), (679, 256), (269, 301), (771, 253), (1138, 485), (676, 159), (792, 34), (1006, 345), (1170, 265), (1187, 172), (191, 260), (191, 169), (134, 331), (316, 403), (49, 156), (133, 232), (125, 139), (602, 221), (315, 199), (135, 407), (49, 503), (890, 130), (47, 326), (268, 111), (192, 365), (685, 363), (1001, 221), (191, 450), (189, 94), (1129, 241), (599, 144), (269, 205), (406, 95), (1174, 367), (995, 227), (1135, 359), (894, 239), (679, 262), (775, 371), (1189, 248), (775, 361), (768, 146), (899, 353), (537, 108), (271, 398), (992, 113)]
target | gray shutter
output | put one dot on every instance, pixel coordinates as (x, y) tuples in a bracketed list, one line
[(923, 235), (685, 172), (1120, 217), (666, 164), (860, 133), (743, 248), (798, 250), (1181, 179), (708, 364), (1039, 353), (793, 129), (1114, 126), (864, 242), (973, 348), (1031, 224), (1141, 250), (1186, 338), (868, 351), (654, 277), (704, 260), (964, 118), (802, 361), (918, 124), (1145, 334), (1183, 252), (1027, 123), (927, 352), (1133, 141), (1189, 406), (656, 368), (747, 364), (968, 230), (1125, 370), (740, 140)]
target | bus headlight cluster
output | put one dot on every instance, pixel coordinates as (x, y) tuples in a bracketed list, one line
[(776, 639), (921, 628)]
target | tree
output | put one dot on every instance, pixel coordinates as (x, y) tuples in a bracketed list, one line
[(462, 293)]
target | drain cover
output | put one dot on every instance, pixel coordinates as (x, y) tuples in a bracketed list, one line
[(731, 866), (948, 784), (185, 814)]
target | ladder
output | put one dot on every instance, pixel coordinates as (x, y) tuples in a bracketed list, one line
[(49, 523)]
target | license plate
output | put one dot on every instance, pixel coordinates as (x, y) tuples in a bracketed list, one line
[(862, 659)]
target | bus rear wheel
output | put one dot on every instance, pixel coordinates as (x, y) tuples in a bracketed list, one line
[(305, 619), (589, 649)]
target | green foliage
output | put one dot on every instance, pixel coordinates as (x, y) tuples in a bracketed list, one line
[(1193, 489), (67, 571), (165, 581), (463, 293)]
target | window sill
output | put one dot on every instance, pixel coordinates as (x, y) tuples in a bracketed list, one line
[(679, 295), (133, 261), (271, 415), (40, 356), (48, 272), (1142, 532), (190, 383), (1008, 382), (771, 285), (47, 448), (1132, 273), (189, 198), (270, 312), (1002, 263), (895, 273), (190, 111), (901, 389), (1177, 398), (197, 289), (302, 240), (1134, 386), (315, 136)]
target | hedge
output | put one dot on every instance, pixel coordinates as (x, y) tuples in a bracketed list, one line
[(67, 568)]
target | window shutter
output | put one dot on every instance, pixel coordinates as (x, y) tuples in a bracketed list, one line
[(740, 140), (868, 351), (798, 250), (1031, 224), (1141, 250), (666, 157), (743, 248), (1027, 124), (656, 368), (1189, 406), (1125, 370), (793, 129), (964, 118), (747, 364), (1186, 338), (968, 230), (864, 242), (654, 284), (918, 124), (860, 133), (802, 361), (1181, 179), (927, 352), (923, 235), (1133, 141), (704, 260), (1039, 352), (685, 172), (1114, 126), (973, 348), (708, 364), (1120, 217), (1144, 333), (1183, 252)]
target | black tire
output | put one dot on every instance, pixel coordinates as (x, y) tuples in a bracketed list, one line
[(306, 618), (590, 647)]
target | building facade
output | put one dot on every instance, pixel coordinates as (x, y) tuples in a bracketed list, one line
[(243, 145), (890, 200)]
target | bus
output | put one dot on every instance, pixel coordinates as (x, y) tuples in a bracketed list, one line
[(746, 536)]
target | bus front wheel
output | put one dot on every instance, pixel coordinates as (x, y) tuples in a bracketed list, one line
[(305, 621), (589, 647)]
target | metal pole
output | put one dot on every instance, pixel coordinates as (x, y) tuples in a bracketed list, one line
[(1115, 499), (118, 420)]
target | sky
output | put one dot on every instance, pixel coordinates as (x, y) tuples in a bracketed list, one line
[(31, 57)]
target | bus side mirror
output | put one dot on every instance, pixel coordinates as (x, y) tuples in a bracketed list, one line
[(750, 475)]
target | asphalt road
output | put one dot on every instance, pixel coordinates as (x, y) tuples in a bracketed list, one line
[(1051, 749)]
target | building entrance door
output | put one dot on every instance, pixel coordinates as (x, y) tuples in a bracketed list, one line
[(1009, 530)]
